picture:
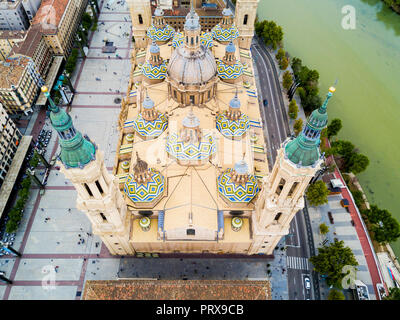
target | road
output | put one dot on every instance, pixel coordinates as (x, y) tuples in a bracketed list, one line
[(276, 129)]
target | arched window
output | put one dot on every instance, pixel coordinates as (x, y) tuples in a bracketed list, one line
[(278, 215), (99, 187), (280, 186), (88, 189), (246, 17), (140, 19), (293, 189)]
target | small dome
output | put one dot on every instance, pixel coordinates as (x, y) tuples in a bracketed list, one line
[(230, 47), (234, 192), (235, 103), (241, 167), (158, 12), (154, 48), (191, 121), (148, 103), (192, 20)]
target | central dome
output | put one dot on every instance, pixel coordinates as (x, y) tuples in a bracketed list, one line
[(192, 68)]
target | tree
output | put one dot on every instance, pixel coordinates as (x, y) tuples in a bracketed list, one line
[(283, 63), (296, 66), (293, 109), (394, 294), (287, 80), (317, 193), (334, 127), (331, 260), (336, 295), (343, 148), (297, 126), (357, 163), (271, 33), (323, 229), (280, 54), (384, 227)]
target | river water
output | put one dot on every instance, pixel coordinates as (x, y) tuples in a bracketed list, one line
[(366, 62)]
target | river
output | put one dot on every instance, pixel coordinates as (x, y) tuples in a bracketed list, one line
[(366, 62)]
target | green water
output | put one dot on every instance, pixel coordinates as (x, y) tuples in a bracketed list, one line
[(366, 62)]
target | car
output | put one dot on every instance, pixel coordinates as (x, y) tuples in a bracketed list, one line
[(265, 102), (307, 283)]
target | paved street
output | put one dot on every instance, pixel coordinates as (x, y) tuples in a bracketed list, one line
[(277, 130), (59, 250)]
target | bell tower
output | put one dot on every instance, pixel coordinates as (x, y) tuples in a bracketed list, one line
[(297, 162), (98, 194), (245, 16), (140, 11)]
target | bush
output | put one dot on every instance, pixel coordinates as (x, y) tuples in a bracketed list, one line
[(297, 126), (287, 80), (323, 228), (293, 109)]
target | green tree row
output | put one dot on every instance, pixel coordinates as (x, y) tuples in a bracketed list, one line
[(15, 214)]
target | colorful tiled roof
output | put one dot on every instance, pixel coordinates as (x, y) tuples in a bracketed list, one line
[(190, 151), (154, 72), (229, 128), (161, 34), (145, 192), (151, 128), (235, 192), (227, 71), (224, 35)]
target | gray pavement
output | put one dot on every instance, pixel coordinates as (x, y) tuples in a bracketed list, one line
[(341, 229)]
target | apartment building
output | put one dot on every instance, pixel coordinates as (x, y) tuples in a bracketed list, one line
[(13, 149), (31, 7), (9, 140), (36, 47), (59, 20), (19, 83), (13, 15)]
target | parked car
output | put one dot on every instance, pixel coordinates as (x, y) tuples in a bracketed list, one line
[(307, 283), (265, 102)]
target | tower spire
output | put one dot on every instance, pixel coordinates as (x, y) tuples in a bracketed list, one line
[(76, 150), (304, 149), (324, 106)]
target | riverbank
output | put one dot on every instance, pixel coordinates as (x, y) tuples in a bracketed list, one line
[(365, 62)]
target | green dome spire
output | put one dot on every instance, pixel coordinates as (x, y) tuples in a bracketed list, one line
[(76, 150), (304, 149)]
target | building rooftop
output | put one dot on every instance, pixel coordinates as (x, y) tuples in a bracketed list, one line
[(177, 290), (11, 70), (32, 40), (12, 34), (50, 13)]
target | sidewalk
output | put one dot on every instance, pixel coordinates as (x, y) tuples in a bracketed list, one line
[(341, 229)]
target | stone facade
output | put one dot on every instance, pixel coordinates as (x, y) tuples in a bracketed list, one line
[(191, 170)]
